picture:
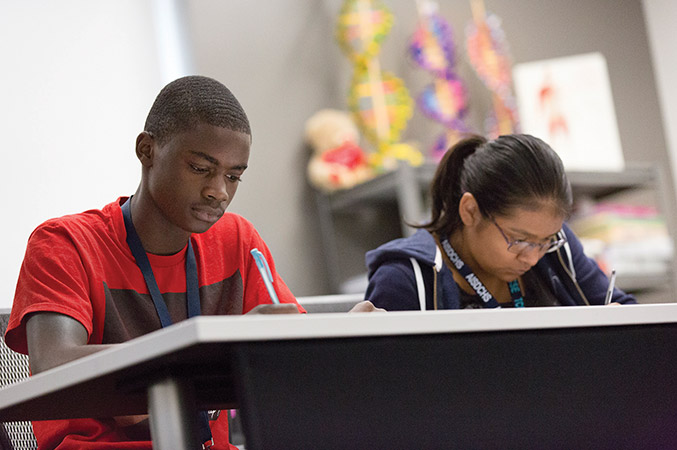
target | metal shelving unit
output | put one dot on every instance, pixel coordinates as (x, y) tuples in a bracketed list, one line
[(407, 187)]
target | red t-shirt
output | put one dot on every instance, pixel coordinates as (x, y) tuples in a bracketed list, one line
[(81, 266)]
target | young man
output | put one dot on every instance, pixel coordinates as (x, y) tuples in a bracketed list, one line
[(95, 279)]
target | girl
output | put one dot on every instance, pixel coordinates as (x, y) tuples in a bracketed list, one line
[(496, 238)]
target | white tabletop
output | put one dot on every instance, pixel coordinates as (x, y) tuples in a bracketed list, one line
[(101, 374)]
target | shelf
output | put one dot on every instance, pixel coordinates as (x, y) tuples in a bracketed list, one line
[(380, 189), (384, 187), (602, 184)]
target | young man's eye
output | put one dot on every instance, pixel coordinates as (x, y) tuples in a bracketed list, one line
[(234, 178), (198, 169)]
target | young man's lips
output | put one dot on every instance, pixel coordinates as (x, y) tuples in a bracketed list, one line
[(207, 214)]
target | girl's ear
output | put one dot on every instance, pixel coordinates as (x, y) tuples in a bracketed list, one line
[(145, 145), (469, 210)]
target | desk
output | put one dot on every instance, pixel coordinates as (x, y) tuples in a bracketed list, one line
[(564, 377)]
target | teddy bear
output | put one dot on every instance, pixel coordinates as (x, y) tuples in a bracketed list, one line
[(338, 161)]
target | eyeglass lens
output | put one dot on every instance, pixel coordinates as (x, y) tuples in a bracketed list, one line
[(523, 246)]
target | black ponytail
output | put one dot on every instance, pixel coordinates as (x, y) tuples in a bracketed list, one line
[(445, 189)]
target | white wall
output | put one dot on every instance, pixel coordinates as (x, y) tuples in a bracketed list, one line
[(661, 17), (77, 78)]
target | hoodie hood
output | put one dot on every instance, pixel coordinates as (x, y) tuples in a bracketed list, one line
[(421, 246)]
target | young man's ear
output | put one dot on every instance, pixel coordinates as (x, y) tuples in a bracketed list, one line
[(469, 210), (144, 148)]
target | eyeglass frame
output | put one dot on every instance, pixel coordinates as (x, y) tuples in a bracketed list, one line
[(553, 245)]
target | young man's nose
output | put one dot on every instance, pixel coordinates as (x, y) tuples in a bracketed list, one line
[(216, 189)]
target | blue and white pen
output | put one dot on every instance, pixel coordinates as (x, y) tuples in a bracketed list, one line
[(263, 267)]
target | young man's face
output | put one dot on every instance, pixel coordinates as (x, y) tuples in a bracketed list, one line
[(194, 175)]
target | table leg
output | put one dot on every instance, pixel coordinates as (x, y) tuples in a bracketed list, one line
[(171, 410)]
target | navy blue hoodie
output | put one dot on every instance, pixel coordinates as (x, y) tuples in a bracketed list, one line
[(393, 285)]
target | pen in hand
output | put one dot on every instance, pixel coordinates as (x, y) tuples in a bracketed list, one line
[(610, 289), (264, 269)]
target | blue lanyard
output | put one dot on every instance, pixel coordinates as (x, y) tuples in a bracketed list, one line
[(192, 292), (488, 300)]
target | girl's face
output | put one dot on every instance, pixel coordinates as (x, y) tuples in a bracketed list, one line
[(488, 239)]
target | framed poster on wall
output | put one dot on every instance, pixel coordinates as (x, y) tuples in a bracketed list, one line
[(568, 103)]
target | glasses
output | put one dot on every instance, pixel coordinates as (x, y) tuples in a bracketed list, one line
[(518, 246)]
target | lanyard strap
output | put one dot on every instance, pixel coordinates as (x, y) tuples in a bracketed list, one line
[(516, 294), (192, 292), (488, 300)]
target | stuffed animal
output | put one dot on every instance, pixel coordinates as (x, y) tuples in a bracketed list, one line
[(338, 161)]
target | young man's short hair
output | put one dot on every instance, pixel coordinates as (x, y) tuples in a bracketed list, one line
[(191, 100)]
